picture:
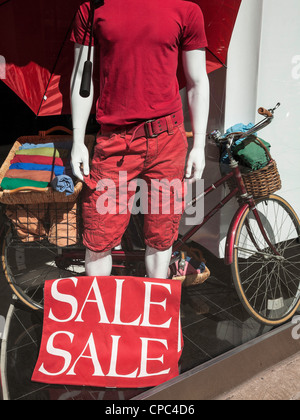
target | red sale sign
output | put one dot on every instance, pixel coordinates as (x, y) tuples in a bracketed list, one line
[(110, 332)]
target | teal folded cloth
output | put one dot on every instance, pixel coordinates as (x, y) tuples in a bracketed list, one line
[(238, 128)]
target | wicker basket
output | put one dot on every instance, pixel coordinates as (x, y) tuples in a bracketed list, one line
[(40, 195), (262, 182), (59, 223), (195, 278)]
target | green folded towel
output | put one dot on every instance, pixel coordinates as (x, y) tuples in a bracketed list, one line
[(251, 154), (14, 183)]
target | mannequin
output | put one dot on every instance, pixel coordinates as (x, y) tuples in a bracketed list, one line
[(194, 62)]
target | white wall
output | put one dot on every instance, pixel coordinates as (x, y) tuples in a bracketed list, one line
[(263, 69), (279, 81), (243, 64)]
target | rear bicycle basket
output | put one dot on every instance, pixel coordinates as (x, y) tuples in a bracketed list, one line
[(42, 242)]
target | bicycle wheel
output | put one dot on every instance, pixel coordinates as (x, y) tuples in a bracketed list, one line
[(27, 266), (267, 284)]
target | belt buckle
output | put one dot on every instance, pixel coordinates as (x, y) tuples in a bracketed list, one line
[(148, 127)]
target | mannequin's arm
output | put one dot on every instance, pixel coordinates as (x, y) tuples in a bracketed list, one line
[(198, 100), (81, 109)]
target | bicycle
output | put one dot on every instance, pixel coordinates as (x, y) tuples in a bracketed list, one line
[(262, 248)]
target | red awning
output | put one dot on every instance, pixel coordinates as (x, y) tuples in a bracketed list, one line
[(39, 57)]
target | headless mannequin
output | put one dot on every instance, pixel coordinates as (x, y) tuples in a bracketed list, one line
[(157, 262)]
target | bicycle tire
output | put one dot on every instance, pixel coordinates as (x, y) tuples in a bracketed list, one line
[(27, 266), (268, 286)]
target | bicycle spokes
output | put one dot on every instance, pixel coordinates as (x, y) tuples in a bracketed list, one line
[(268, 282)]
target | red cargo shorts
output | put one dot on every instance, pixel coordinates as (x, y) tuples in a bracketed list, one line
[(110, 189)]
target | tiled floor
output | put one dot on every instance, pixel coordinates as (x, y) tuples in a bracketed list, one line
[(213, 322)]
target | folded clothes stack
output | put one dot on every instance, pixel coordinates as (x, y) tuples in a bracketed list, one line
[(41, 165)]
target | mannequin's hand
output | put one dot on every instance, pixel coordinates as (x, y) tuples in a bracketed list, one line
[(196, 164), (80, 156)]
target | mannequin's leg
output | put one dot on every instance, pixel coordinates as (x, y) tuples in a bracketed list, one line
[(157, 262), (98, 263)]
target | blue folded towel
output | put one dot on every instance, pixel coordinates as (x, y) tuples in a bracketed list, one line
[(57, 145), (63, 183), (58, 170)]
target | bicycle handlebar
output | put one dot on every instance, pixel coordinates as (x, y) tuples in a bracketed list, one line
[(268, 114), (218, 138), (265, 112)]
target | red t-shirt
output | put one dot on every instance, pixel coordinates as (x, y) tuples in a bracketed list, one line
[(139, 42)]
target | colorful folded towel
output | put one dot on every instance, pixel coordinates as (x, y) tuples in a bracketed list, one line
[(58, 170), (37, 165), (40, 176), (45, 151), (14, 183), (57, 145), (40, 160)]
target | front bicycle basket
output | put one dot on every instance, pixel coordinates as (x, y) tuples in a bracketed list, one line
[(264, 181), (262, 177)]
